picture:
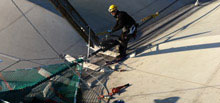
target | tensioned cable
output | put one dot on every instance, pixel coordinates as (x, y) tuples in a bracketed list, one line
[(86, 82), (180, 29), (186, 26), (23, 14), (14, 20), (35, 28), (186, 80), (10, 65), (92, 76), (205, 85), (140, 10), (21, 59), (161, 11), (52, 46), (71, 46)]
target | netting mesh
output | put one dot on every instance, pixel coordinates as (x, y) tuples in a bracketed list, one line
[(58, 82)]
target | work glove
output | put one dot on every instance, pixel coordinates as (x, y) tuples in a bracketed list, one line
[(109, 31), (155, 15)]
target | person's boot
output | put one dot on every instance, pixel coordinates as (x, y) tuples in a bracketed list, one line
[(120, 58), (134, 36)]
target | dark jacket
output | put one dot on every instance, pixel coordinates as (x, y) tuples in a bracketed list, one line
[(123, 20)]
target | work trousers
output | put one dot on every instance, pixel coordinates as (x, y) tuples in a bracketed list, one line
[(123, 45)]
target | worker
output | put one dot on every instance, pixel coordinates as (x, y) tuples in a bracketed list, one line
[(128, 26)]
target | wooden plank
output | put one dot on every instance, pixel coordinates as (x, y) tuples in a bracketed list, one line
[(108, 52)]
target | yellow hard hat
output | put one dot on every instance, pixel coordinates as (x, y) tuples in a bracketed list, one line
[(112, 8)]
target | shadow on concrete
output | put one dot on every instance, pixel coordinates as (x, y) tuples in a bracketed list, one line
[(144, 38), (167, 100), (46, 4), (172, 91), (174, 33), (142, 49), (187, 25), (184, 48)]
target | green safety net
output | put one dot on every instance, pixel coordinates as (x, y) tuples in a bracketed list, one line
[(52, 83)]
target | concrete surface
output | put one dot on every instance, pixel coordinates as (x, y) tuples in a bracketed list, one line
[(20, 44), (182, 67)]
